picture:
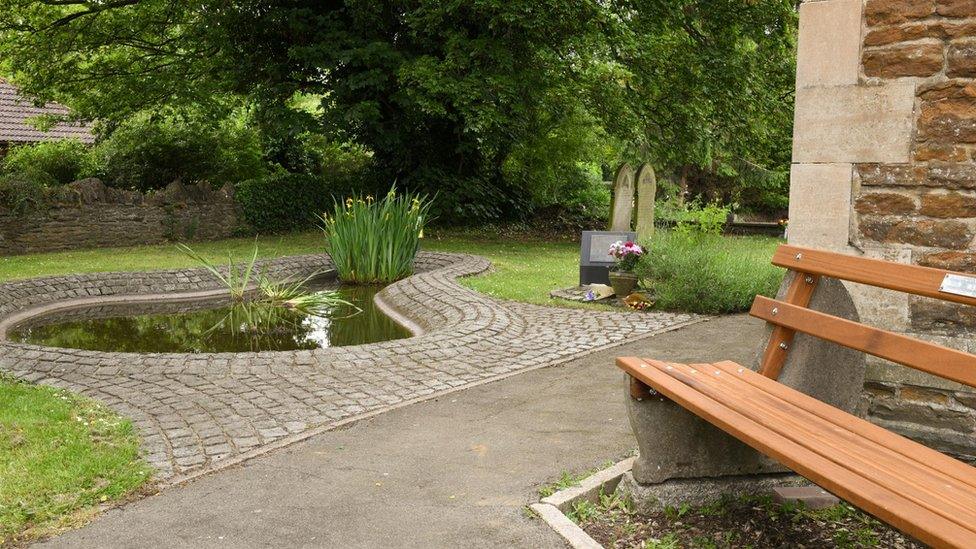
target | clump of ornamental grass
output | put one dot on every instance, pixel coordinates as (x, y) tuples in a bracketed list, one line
[(708, 273), (236, 277), (258, 299), (375, 241)]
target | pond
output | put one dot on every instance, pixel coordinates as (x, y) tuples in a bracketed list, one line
[(212, 326)]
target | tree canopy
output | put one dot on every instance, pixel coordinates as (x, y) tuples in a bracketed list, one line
[(445, 94)]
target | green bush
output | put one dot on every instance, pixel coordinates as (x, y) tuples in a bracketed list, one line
[(65, 160), (148, 153), (27, 191), (284, 201), (559, 170), (709, 274), (692, 217), (375, 241), (343, 167)]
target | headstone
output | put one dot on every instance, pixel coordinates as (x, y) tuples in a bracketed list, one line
[(646, 191), (595, 258), (622, 208)]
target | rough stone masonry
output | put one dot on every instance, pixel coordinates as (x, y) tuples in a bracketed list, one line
[(885, 166), (87, 214)]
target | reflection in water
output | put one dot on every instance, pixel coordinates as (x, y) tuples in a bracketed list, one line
[(213, 327)]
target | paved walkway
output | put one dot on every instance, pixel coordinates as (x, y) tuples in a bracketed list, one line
[(455, 471), (201, 412)]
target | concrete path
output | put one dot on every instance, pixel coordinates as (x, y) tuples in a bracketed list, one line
[(451, 472)]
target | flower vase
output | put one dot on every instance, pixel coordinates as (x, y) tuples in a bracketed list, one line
[(623, 283)]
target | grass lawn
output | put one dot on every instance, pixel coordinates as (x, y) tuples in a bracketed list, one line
[(146, 258), (524, 271), (60, 456), (521, 271)]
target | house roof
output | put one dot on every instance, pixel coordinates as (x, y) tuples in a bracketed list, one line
[(16, 113)]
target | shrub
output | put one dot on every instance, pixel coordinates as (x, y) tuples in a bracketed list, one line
[(147, 153), (375, 241), (65, 160), (343, 167), (709, 274), (692, 217), (24, 192), (586, 208), (559, 170), (283, 201)]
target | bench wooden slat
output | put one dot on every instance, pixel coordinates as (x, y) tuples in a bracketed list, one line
[(777, 349), (921, 355), (912, 279), (890, 506), (937, 461), (919, 482)]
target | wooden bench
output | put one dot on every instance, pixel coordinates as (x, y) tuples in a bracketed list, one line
[(920, 491)]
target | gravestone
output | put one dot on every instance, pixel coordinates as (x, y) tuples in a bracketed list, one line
[(595, 258), (646, 191), (622, 207)]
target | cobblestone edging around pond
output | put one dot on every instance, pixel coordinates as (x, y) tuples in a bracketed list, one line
[(200, 412)]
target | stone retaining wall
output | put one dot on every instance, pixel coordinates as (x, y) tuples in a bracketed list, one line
[(885, 166), (90, 215)]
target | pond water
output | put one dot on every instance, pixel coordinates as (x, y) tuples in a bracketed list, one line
[(212, 326)]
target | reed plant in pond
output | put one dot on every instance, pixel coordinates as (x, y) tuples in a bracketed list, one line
[(259, 300), (375, 241)]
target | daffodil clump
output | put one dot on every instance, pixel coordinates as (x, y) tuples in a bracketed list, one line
[(375, 241)]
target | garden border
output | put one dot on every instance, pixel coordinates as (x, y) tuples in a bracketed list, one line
[(552, 509)]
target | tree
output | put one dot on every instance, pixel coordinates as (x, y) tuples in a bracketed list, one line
[(442, 92), (708, 85)]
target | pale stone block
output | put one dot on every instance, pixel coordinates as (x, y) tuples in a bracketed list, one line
[(829, 48), (820, 205), (878, 307), (854, 124)]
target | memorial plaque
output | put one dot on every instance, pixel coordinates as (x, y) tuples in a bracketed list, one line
[(959, 285), (595, 258)]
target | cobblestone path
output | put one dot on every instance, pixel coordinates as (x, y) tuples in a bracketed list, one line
[(200, 412)]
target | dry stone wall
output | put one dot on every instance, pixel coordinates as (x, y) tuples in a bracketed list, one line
[(87, 214), (885, 166)]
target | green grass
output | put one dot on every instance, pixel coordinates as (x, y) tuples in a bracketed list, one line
[(145, 258), (568, 480), (61, 455), (713, 275), (523, 271)]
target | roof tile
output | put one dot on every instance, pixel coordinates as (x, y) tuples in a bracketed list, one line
[(15, 123)]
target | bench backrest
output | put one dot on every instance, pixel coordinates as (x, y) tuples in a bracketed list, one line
[(791, 314)]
